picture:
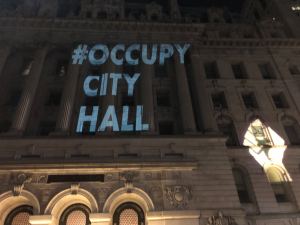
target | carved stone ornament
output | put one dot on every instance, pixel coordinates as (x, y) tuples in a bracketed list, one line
[(128, 177), (178, 196), (74, 189), (220, 219)]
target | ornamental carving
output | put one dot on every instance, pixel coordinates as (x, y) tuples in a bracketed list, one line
[(178, 196), (221, 219)]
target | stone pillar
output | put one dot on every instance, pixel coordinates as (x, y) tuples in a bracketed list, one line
[(25, 104), (208, 122), (40, 220), (185, 101), (68, 100), (146, 88), (4, 53), (100, 219)]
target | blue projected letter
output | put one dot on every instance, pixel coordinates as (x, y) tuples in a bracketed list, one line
[(128, 54), (110, 119), (152, 60), (166, 51), (131, 82), (87, 118), (86, 86), (115, 77), (182, 51), (125, 115), (103, 88), (113, 54), (139, 126), (105, 54)]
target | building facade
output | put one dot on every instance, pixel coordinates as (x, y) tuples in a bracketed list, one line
[(222, 145)]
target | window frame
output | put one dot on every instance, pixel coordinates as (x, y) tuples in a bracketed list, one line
[(76, 207), (129, 205), (20, 209)]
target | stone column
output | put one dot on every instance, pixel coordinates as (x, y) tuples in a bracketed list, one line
[(68, 100), (208, 123), (22, 113), (4, 53), (146, 88), (185, 101)]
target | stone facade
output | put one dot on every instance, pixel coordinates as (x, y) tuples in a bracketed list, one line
[(223, 145)]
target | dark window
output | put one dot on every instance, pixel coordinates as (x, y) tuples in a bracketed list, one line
[(102, 15), (129, 214), (54, 98), (227, 128), (293, 133), (267, 71), (294, 70), (46, 127), (211, 70), (280, 192), (88, 14), (239, 71), (242, 184), (280, 101), (4, 126), (160, 71), (281, 188), (219, 101), (76, 214), (166, 128), (75, 178), (250, 101), (19, 216), (163, 99)]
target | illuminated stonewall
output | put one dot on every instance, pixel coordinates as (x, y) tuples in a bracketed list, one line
[(110, 120)]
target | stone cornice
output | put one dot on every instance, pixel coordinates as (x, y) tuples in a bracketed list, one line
[(63, 31)]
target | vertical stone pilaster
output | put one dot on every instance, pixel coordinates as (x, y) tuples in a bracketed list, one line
[(207, 120), (147, 95), (22, 113), (68, 100), (185, 101)]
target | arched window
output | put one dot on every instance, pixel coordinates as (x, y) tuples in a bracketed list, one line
[(226, 126), (292, 130), (129, 214), (280, 186), (75, 215), (19, 216), (243, 185)]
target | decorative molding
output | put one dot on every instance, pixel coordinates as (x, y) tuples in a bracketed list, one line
[(178, 196), (221, 219)]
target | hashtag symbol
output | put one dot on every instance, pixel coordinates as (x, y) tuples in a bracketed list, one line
[(80, 54)]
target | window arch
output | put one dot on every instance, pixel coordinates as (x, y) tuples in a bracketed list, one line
[(243, 185), (129, 214), (75, 215), (280, 186), (226, 126), (19, 216), (292, 130)]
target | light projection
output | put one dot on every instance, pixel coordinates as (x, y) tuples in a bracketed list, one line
[(97, 85), (265, 145)]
